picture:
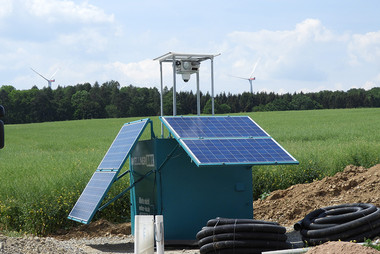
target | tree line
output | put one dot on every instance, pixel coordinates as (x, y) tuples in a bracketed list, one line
[(110, 100)]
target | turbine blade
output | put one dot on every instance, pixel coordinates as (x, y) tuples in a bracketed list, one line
[(40, 75), (54, 74), (254, 67), (238, 77)]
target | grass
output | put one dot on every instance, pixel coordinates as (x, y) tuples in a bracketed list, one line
[(44, 167)]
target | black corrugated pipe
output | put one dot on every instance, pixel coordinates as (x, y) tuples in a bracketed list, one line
[(345, 222), (241, 236), (222, 221)]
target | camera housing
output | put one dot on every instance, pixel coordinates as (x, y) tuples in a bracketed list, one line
[(186, 68)]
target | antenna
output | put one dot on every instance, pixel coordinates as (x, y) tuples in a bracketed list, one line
[(251, 77), (48, 80)]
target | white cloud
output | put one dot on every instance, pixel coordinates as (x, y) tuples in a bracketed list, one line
[(140, 72), (311, 30), (87, 40), (303, 53), (68, 11), (6, 8), (365, 47), (368, 85)]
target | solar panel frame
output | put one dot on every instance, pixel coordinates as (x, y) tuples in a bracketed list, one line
[(96, 189), (125, 140), (213, 127), (251, 151), (188, 130), (92, 196)]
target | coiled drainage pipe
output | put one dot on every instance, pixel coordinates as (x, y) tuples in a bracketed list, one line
[(347, 222), (241, 236)]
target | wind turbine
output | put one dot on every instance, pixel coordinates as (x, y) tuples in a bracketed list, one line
[(251, 77), (48, 80)]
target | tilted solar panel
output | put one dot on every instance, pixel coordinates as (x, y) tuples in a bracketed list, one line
[(242, 151), (92, 196), (99, 184), (226, 140), (213, 126), (121, 146)]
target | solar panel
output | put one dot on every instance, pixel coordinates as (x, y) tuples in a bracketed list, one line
[(242, 151), (223, 140), (99, 184), (121, 146), (215, 126), (92, 196)]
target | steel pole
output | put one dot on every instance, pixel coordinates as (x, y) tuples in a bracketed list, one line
[(212, 85), (174, 90), (162, 100), (198, 96)]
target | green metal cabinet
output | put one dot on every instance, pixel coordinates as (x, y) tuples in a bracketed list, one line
[(186, 195)]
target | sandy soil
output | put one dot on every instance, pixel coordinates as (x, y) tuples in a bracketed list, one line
[(342, 247)]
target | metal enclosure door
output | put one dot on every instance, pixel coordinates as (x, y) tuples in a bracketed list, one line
[(143, 195)]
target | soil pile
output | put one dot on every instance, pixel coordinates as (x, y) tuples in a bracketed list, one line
[(353, 185), (342, 247)]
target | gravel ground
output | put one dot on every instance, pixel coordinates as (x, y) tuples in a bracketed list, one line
[(49, 245), (93, 245)]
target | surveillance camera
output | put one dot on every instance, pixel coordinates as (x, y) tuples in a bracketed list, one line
[(186, 77)]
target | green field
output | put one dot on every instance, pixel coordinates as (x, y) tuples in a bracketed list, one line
[(44, 167)]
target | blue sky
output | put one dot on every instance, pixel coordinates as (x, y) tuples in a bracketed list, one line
[(302, 45)]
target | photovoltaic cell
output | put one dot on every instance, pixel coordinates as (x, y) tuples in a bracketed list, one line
[(216, 126), (121, 146), (242, 151), (92, 195), (99, 184), (222, 140)]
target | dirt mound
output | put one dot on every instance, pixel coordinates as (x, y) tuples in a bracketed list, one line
[(342, 247), (97, 228), (353, 185)]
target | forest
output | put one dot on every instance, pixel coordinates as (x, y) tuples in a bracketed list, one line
[(110, 100)]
